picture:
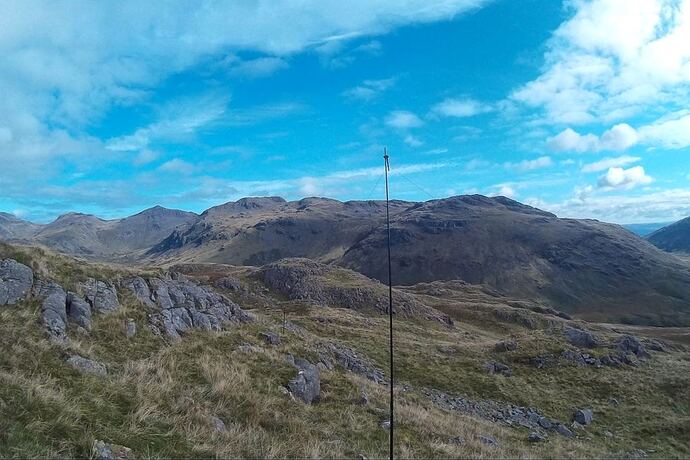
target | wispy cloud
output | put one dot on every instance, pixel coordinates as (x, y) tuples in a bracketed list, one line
[(460, 108), (369, 89), (403, 119), (606, 163)]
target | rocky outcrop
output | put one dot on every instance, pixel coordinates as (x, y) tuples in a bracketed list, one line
[(581, 338), (306, 386), (351, 361), (54, 311), (583, 416), (324, 285), (87, 366), (498, 368), (630, 344), (178, 304), (101, 296), (15, 281), (79, 310), (495, 411)]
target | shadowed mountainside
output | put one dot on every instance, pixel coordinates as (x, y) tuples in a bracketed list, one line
[(674, 237), (595, 270)]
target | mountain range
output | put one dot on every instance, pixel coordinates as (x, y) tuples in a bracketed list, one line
[(592, 269)]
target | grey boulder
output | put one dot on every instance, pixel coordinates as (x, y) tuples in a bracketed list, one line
[(581, 338), (79, 310), (15, 281), (629, 343), (87, 366), (54, 309), (271, 338), (583, 416), (105, 451), (498, 368), (306, 386)]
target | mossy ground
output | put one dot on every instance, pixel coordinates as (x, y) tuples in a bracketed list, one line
[(159, 395)]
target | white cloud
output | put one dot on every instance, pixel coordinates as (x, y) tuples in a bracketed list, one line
[(413, 141), (607, 163), (403, 119), (620, 137), (613, 59), (259, 67), (369, 89), (657, 206), (145, 156), (528, 165), (177, 166), (460, 108), (619, 178), (672, 134), (506, 191)]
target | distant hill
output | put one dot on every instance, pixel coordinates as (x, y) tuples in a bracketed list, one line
[(674, 237), (644, 229), (584, 267)]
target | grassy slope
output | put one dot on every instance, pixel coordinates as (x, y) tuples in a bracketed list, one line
[(158, 396)]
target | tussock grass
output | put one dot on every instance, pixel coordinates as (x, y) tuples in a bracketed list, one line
[(160, 396)]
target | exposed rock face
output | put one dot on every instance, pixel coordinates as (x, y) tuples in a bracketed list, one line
[(55, 311), (101, 296), (15, 281), (180, 304), (630, 344), (581, 338), (351, 361), (87, 366), (79, 310), (494, 411), (306, 386), (304, 279)]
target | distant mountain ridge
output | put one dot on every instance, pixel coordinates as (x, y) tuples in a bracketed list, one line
[(593, 269), (674, 237)]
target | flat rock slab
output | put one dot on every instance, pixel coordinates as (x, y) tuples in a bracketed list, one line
[(105, 451), (87, 366)]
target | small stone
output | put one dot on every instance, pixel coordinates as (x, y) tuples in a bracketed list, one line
[(386, 424), (613, 401), (130, 328), (608, 434), (637, 453), (583, 416), (457, 440), (218, 424), (363, 397), (536, 437), (271, 338), (105, 451), (246, 347), (498, 368), (87, 366), (488, 440)]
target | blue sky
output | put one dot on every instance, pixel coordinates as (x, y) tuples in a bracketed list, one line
[(578, 107)]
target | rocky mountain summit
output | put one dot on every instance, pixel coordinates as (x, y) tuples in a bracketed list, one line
[(585, 268)]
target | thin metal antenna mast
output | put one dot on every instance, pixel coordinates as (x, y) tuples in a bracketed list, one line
[(390, 303)]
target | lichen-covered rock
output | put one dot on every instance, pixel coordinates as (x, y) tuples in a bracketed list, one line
[(87, 366), (54, 310), (102, 296), (79, 310), (179, 304), (15, 281), (581, 338), (507, 345), (104, 451), (306, 386)]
